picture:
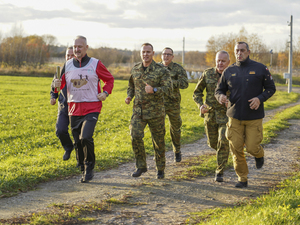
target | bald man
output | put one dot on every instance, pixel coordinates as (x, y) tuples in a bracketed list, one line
[(213, 112), (81, 75)]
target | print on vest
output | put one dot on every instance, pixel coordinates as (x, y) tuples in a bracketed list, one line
[(78, 83)]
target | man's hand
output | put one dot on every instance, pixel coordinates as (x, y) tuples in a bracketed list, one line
[(127, 100), (223, 99), (56, 83), (254, 103), (52, 101), (203, 109), (102, 96), (226, 103), (149, 89)]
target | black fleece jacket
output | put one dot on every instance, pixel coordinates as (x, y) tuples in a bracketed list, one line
[(246, 80)]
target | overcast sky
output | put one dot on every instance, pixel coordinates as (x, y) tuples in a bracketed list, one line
[(129, 23)]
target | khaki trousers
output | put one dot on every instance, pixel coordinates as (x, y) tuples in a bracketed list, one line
[(238, 133)]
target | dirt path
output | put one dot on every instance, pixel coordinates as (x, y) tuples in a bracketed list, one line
[(164, 201)]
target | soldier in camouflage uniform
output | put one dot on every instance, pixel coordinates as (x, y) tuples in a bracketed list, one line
[(172, 101), (214, 113), (148, 83)]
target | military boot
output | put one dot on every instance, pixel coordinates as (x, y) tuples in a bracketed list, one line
[(88, 172), (81, 166)]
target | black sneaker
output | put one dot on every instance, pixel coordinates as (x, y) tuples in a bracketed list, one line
[(139, 172), (241, 184), (177, 157), (219, 177), (160, 174), (66, 155), (259, 162), (82, 172), (88, 172)]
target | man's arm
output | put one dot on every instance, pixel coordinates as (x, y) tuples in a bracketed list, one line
[(269, 87), (106, 77), (182, 81), (59, 83), (198, 92), (53, 97), (131, 88), (222, 88), (166, 83)]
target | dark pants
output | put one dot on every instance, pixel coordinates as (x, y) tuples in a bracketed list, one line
[(62, 133), (83, 129)]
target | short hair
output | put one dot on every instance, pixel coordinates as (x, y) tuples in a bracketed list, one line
[(147, 44), (242, 42), (81, 37), (223, 52), (69, 48), (167, 48)]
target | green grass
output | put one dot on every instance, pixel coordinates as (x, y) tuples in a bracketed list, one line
[(280, 98), (63, 214), (30, 152), (280, 206), (203, 165), (280, 122)]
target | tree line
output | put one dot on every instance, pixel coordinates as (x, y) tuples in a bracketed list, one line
[(33, 50)]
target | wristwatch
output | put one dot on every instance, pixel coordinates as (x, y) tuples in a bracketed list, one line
[(106, 93), (155, 90)]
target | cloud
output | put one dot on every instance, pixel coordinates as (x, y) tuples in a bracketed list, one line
[(186, 14), (167, 14), (11, 13)]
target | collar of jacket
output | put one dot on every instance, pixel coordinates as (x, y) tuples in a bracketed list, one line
[(170, 66), (84, 60), (150, 67), (216, 72), (243, 63)]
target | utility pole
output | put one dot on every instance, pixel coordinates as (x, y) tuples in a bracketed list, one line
[(290, 69), (183, 52), (271, 52)]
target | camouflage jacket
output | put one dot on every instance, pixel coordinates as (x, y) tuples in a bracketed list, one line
[(149, 106), (209, 81), (180, 81)]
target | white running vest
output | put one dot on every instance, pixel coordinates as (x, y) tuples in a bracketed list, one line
[(82, 83)]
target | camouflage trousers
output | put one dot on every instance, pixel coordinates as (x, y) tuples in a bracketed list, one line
[(175, 125), (216, 139), (157, 129)]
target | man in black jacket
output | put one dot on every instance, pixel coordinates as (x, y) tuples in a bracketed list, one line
[(250, 84), (62, 123)]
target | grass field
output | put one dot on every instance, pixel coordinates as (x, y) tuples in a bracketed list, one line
[(30, 152)]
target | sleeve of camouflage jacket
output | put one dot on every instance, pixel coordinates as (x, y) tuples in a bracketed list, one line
[(199, 89), (130, 88), (222, 86), (166, 82), (182, 81)]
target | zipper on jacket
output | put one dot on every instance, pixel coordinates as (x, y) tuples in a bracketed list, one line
[(243, 91)]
